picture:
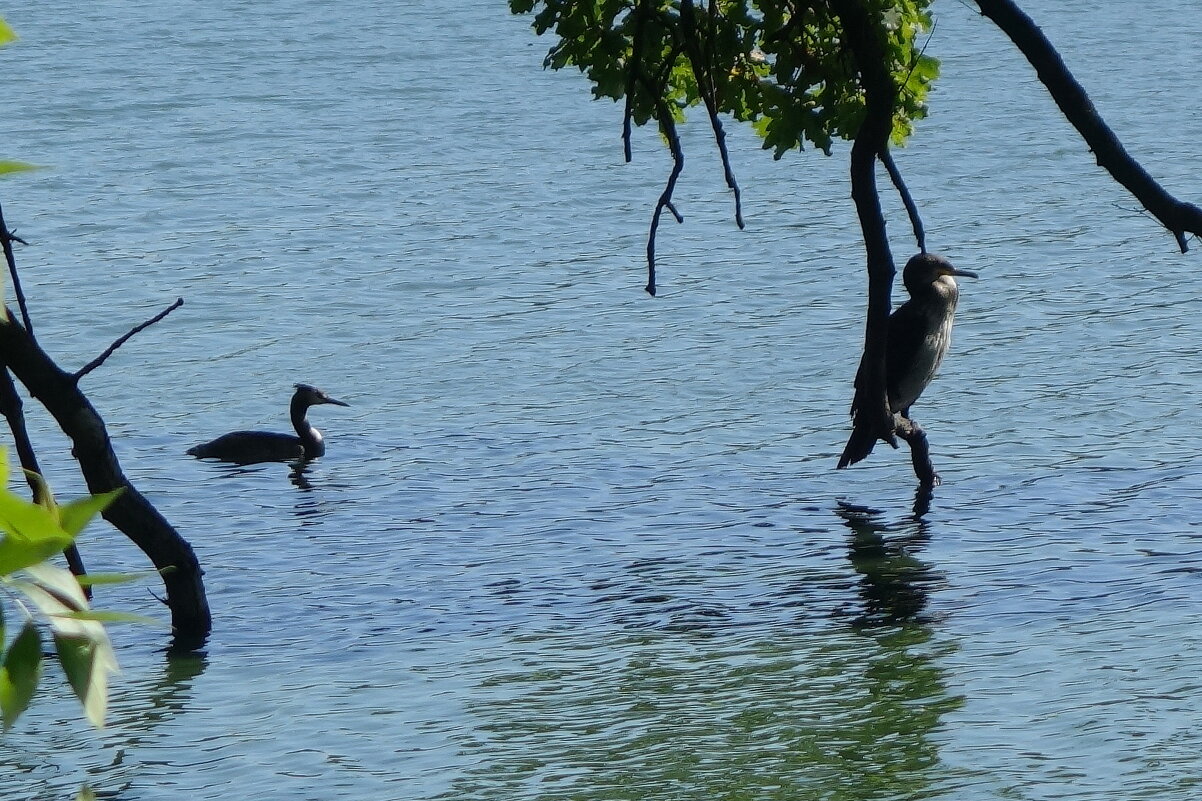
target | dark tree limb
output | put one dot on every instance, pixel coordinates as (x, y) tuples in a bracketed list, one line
[(1177, 216), (111, 349), (636, 54), (872, 419), (58, 391), (895, 175), (920, 453), (6, 243), (668, 128), (703, 73), (13, 410), (665, 199)]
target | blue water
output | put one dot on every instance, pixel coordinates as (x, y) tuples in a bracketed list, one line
[(571, 541)]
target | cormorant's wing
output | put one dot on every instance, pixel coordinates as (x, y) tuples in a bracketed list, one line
[(907, 332)]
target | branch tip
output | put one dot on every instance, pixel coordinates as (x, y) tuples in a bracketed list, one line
[(111, 349)]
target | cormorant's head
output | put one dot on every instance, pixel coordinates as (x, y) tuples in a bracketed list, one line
[(927, 268), (312, 396)]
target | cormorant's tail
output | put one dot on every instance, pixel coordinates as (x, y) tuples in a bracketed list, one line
[(859, 445)]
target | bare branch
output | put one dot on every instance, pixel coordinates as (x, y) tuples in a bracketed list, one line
[(13, 410), (911, 209), (703, 73), (59, 392), (1177, 216), (668, 126), (6, 242), (99, 360), (636, 53)]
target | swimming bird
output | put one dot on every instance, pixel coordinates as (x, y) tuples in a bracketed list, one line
[(920, 331), (249, 447)]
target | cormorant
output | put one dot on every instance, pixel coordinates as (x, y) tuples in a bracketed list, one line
[(920, 331), (249, 447)]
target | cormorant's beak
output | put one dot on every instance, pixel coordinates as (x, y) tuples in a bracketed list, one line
[(328, 399), (959, 273)]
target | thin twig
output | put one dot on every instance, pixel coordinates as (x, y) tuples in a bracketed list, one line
[(636, 54), (668, 128), (99, 360), (911, 209), (703, 73), (6, 241)]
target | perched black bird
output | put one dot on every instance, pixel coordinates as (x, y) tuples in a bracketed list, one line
[(249, 447), (920, 331)]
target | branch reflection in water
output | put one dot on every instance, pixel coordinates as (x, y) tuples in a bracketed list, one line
[(895, 583)]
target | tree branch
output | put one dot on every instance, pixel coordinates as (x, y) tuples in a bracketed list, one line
[(111, 349), (703, 74), (1177, 216), (58, 391), (907, 200), (665, 199), (13, 411), (668, 128), (872, 418), (6, 242), (636, 54)]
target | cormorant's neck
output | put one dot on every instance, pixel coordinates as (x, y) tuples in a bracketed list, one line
[(942, 292), (309, 436)]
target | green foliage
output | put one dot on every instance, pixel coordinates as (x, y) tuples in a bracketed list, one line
[(30, 534), (15, 166), (7, 35), (781, 66)]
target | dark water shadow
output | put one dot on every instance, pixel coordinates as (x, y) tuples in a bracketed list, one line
[(895, 583)]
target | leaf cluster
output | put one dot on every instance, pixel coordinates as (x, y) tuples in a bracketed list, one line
[(781, 65), (30, 533)]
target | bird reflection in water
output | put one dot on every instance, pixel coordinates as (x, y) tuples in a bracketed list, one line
[(895, 583)]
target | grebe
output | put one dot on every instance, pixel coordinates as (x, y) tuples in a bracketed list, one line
[(249, 447)]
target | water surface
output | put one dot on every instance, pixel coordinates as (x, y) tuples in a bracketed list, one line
[(571, 541)]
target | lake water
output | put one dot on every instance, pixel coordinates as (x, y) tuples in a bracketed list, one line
[(574, 542)]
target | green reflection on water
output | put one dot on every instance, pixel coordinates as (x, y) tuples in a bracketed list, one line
[(824, 710)]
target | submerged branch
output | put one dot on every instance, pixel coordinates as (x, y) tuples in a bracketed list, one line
[(13, 410), (1177, 216), (59, 392)]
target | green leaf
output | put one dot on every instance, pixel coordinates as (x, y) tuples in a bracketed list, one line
[(16, 166), (85, 794), (30, 528), (18, 552), (77, 514), (98, 579), (87, 663), (109, 617), (20, 673), (7, 34), (59, 584)]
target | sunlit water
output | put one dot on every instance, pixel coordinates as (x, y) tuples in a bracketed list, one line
[(571, 541)]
